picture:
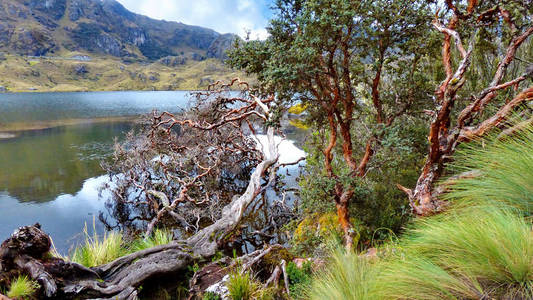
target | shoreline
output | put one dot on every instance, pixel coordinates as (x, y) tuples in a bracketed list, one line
[(10, 130)]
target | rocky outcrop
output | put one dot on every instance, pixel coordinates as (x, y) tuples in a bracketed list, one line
[(221, 45), (173, 61), (32, 42), (105, 27)]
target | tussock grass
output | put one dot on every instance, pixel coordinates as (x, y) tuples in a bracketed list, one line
[(241, 286), (506, 168), (22, 288), (159, 237), (481, 248), (347, 276), (99, 250), (469, 254)]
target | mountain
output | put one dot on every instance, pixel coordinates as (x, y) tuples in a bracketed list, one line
[(102, 27)]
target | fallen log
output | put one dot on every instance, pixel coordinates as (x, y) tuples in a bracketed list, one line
[(27, 251)]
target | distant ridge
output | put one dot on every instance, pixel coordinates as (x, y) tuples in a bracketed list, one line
[(102, 27)]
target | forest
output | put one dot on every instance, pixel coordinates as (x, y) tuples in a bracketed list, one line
[(417, 181)]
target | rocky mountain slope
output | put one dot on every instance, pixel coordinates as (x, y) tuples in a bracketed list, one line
[(103, 27)]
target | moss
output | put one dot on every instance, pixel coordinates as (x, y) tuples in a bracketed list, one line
[(317, 230)]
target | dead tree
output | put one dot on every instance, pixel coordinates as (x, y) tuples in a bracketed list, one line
[(473, 120), (120, 278)]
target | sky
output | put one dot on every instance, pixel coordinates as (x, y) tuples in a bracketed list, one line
[(224, 16)]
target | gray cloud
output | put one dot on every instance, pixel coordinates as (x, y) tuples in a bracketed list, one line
[(224, 16)]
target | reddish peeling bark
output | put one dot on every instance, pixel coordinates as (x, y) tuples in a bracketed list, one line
[(443, 137)]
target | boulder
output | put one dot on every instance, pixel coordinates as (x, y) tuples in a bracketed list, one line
[(80, 69)]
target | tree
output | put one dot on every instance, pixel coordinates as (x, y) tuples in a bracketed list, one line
[(474, 98), (350, 63), (27, 251)]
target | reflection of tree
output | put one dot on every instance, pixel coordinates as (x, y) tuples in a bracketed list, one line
[(41, 165)]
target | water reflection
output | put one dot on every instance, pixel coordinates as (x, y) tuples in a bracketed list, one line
[(39, 166), (63, 218)]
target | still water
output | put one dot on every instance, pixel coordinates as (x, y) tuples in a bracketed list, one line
[(51, 145)]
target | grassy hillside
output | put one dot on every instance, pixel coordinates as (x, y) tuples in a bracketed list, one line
[(106, 73)]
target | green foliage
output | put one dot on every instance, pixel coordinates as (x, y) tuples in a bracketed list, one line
[(242, 286), (504, 172), (299, 279), (211, 296), (316, 233), (22, 288)]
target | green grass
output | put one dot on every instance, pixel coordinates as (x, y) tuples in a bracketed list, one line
[(99, 250), (467, 254), (241, 286), (159, 237), (22, 288), (347, 276), (481, 248), (506, 172)]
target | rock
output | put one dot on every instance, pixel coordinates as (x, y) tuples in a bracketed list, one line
[(371, 254), (221, 45), (3, 89), (35, 73), (205, 82), (197, 57), (173, 61), (80, 69), (33, 42), (75, 10), (211, 278)]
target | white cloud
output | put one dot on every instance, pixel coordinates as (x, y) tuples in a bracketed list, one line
[(224, 16)]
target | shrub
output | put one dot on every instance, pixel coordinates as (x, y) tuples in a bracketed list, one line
[(22, 288), (299, 279)]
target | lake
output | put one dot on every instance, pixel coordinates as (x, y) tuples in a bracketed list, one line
[(51, 146)]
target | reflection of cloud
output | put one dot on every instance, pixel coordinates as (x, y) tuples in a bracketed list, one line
[(62, 218), (224, 16), (87, 198), (288, 152)]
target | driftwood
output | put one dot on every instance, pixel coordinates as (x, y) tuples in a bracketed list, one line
[(27, 249)]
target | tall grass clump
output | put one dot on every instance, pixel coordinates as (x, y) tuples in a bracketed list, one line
[(22, 288), (504, 172), (158, 237), (347, 276), (473, 253), (99, 250), (244, 286), (241, 286)]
